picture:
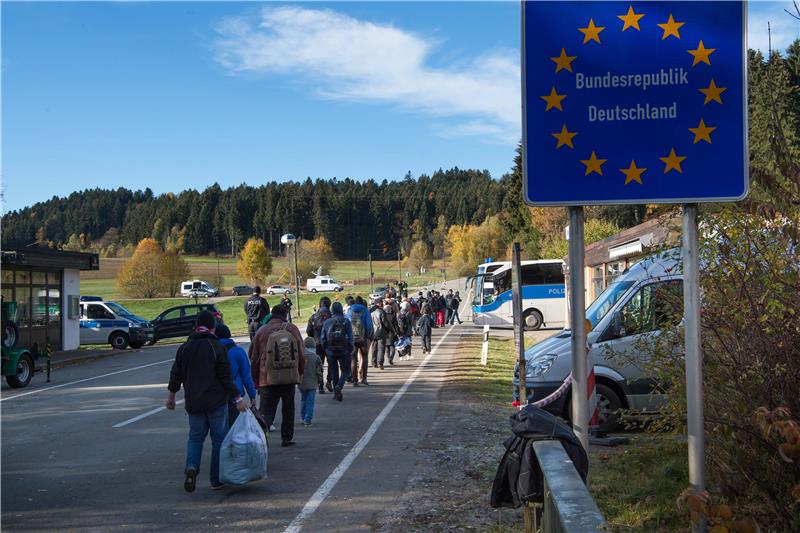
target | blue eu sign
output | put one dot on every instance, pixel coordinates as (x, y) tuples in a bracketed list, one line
[(641, 102)]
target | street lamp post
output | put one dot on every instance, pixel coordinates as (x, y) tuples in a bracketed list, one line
[(290, 239)]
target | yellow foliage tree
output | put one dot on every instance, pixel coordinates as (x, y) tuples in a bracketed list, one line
[(142, 276), (255, 263), (317, 253), (419, 257), (470, 245), (174, 270)]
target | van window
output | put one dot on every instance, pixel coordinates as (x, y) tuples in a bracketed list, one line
[(98, 312), (653, 307), (324, 282), (187, 286)]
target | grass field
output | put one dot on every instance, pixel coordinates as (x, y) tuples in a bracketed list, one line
[(103, 282)]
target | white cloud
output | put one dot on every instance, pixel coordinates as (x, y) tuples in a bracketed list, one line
[(784, 28), (350, 59)]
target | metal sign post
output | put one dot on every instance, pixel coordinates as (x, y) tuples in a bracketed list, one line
[(577, 301), (694, 354), (519, 330)]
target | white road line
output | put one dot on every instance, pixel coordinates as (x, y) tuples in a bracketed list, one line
[(85, 379), (327, 486), (143, 415)]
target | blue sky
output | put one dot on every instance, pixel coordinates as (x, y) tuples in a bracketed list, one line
[(181, 95)]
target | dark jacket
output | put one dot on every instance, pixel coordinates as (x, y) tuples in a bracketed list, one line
[(315, 323), (404, 326), (201, 366), (326, 335), (519, 478), (256, 308), (425, 326)]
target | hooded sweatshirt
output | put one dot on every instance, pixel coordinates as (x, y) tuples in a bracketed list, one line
[(336, 315)]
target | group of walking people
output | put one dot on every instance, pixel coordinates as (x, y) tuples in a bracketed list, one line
[(217, 375)]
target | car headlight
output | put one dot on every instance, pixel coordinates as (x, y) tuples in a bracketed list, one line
[(542, 364)]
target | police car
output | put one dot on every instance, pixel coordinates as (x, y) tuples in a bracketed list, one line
[(110, 323)]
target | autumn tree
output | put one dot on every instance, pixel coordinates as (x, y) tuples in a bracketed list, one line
[(318, 253), (174, 270), (419, 257), (254, 263), (141, 275), (470, 245)]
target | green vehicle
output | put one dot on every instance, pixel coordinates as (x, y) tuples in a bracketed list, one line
[(17, 363)]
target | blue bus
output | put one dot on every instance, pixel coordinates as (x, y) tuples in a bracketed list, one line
[(543, 295)]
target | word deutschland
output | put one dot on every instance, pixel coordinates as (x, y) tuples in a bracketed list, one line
[(640, 112), (673, 76)]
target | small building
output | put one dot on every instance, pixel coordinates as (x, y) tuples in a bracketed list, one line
[(606, 259), (45, 283)]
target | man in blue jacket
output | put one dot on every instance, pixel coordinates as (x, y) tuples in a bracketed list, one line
[(361, 324), (337, 341), (240, 370)]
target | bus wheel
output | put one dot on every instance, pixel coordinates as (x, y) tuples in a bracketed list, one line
[(532, 319)]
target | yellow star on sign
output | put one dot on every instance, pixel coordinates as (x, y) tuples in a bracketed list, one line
[(632, 173), (713, 92), (563, 61), (591, 32), (564, 137), (630, 19), (593, 164), (701, 54), (672, 162), (553, 99), (670, 27), (702, 132)]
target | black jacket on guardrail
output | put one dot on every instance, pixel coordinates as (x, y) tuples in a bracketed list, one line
[(519, 478)]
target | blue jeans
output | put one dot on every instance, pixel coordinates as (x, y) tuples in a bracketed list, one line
[(337, 364), (216, 421), (307, 398)]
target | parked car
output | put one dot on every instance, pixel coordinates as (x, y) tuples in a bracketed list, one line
[(108, 322), (241, 290), (279, 289), (323, 284), (626, 317), (179, 321), (379, 294), (197, 287)]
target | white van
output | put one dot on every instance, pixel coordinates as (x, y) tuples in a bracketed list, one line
[(323, 284), (626, 320), (196, 287)]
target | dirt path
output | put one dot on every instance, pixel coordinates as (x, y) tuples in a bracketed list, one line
[(449, 488)]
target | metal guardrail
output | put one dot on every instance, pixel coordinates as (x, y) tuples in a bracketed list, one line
[(568, 506)]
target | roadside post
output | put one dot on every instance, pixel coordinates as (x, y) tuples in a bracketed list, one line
[(485, 347), (519, 330), (48, 350), (635, 103)]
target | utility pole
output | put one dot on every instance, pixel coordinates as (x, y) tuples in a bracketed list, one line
[(371, 277), (399, 268), (296, 281)]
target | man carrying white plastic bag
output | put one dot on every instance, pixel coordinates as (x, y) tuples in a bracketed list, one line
[(243, 457)]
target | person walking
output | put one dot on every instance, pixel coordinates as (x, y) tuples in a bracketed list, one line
[(424, 329), (312, 375), (255, 308), (314, 329), (337, 340), (361, 323), (240, 371), (454, 305), (378, 332), (405, 330), (277, 363), (201, 367), (390, 310), (448, 309), (287, 301)]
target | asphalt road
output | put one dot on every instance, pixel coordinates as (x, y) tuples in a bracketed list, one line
[(66, 466)]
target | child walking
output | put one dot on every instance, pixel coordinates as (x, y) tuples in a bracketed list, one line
[(424, 329), (312, 377)]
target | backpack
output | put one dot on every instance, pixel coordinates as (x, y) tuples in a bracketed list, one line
[(338, 336), (359, 332), (317, 321), (281, 358)]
